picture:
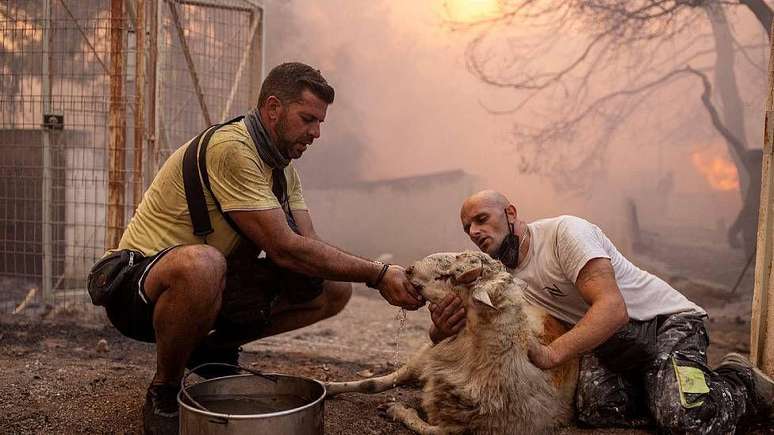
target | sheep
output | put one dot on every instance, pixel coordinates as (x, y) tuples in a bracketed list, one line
[(481, 380)]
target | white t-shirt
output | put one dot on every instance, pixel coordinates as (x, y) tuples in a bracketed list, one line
[(558, 250)]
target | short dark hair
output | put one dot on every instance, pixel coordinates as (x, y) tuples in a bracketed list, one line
[(288, 80)]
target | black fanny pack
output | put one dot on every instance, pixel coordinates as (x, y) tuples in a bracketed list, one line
[(109, 273)]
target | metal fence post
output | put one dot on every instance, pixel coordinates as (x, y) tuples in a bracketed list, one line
[(47, 181), (117, 128), (139, 103), (150, 126), (256, 47), (158, 123)]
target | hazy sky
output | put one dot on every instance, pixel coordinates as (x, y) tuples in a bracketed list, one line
[(406, 105)]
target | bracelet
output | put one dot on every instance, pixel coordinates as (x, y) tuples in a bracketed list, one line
[(379, 277)]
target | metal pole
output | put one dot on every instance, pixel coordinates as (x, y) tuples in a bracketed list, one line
[(762, 334), (47, 242), (158, 135), (258, 67), (117, 128), (139, 100), (255, 68), (262, 45), (153, 51)]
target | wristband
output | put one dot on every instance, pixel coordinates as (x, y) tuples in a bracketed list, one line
[(379, 277)]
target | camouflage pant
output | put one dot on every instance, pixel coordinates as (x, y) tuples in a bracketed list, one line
[(609, 397)]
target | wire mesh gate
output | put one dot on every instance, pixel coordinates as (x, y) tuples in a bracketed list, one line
[(90, 107)]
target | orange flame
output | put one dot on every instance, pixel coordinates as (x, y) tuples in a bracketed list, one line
[(720, 173)]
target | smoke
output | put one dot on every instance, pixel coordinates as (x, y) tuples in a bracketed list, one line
[(407, 105)]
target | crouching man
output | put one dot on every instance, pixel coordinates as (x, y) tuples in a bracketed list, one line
[(187, 273), (643, 344)]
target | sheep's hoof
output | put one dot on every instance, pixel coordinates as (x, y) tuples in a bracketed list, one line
[(381, 410), (393, 410)]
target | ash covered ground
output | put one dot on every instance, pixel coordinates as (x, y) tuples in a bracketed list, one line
[(56, 380)]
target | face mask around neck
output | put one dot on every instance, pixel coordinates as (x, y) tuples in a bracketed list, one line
[(508, 254)]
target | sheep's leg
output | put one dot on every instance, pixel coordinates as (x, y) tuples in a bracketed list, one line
[(409, 417), (404, 375), (374, 385)]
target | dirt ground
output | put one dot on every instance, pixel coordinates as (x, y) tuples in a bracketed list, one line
[(54, 379)]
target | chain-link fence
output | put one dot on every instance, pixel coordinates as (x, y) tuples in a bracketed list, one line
[(89, 108)]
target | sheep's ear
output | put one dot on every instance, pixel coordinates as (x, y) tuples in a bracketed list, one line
[(467, 276), (481, 295), (467, 268)]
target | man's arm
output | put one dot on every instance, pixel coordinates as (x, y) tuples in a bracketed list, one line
[(606, 315), (269, 229), (304, 221)]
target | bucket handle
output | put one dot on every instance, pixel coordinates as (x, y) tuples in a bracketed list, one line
[(192, 401)]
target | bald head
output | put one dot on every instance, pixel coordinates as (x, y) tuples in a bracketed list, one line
[(485, 217), (491, 198)]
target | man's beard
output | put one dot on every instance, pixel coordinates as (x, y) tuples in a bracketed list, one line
[(283, 144)]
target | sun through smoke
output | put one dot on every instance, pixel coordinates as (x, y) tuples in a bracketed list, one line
[(466, 11)]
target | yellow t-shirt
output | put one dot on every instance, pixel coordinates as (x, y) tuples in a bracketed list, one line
[(239, 179)]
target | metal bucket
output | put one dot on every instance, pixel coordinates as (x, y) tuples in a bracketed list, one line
[(254, 403)]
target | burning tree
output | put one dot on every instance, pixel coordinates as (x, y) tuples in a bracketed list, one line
[(633, 46)]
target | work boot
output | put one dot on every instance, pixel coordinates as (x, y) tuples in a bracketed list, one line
[(160, 413), (203, 355), (759, 385)]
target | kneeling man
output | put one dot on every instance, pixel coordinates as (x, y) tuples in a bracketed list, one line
[(187, 274), (643, 344)]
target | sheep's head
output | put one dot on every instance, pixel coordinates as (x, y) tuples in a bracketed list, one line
[(466, 274)]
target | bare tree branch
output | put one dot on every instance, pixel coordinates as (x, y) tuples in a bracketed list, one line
[(629, 44), (706, 99), (762, 12)]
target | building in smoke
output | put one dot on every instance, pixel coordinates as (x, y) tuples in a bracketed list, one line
[(400, 219)]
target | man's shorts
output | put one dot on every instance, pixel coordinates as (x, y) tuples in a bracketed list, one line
[(129, 308), (253, 286)]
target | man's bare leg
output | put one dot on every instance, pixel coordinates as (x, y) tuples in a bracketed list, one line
[(186, 287)]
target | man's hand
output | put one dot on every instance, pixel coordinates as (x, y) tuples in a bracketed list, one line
[(448, 318), (606, 314), (396, 289), (542, 356)]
